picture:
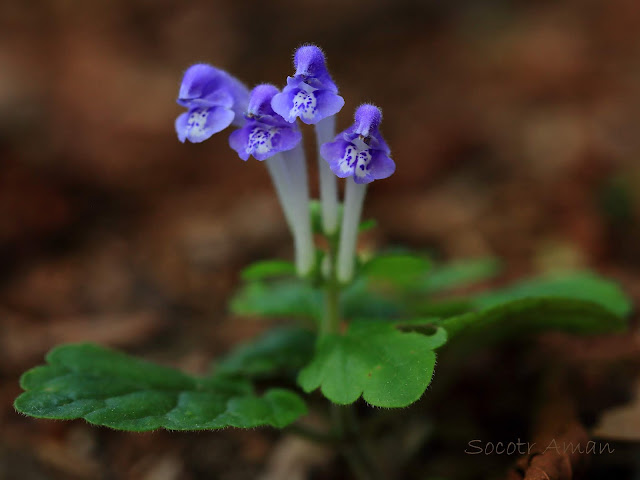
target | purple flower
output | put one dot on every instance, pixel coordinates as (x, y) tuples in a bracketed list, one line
[(310, 94), (360, 151), (214, 100), (265, 133)]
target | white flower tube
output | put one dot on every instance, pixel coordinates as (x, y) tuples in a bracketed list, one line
[(296, 165), (353, 201), (282, 183), (325, 131)]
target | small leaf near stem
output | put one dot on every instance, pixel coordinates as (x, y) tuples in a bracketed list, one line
[(268, 269)]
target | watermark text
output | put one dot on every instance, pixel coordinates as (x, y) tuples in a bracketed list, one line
[(479, 447)]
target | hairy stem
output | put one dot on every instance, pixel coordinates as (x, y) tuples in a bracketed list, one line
[(352, 446), (344, 422)]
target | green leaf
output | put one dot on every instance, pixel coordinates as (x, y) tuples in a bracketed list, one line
[(579, 303), (297, 299), (400, 269), (458, 274), (366, 225), (389, 368), (579, 286), (438, 308), (278, 299), (280, 350), (115, 390), (361, 300), (268, 269), (530, 315)]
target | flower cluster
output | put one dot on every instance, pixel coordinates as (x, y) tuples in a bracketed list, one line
[(360, 151), (268, 131)]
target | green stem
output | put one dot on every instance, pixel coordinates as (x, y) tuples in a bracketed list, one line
[(352, 446), (331, 319), (345, 430)]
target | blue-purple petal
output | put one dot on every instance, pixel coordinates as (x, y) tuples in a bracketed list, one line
[(309, 106), (199, 124), (218, 119), (328, 104), (218, 98), (211, 87), (309, 60), (340, 157), (360, 151), (206, 88), (288, 139), (263, 141), (260, 101), (238, 141), (294, 82), (311, 66), (378, 143), (382, 166), (282, 104), (197, 80), (367, 119), (378, 167), (181, 126), (310, 94)]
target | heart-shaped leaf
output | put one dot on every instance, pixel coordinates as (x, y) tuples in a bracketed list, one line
[(115, 390), (278, 299), (388, 367), (360, 300), (529, 315), (580, 286), (458, 274)]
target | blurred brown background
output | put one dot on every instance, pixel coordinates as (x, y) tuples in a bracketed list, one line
[(514, 125)]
